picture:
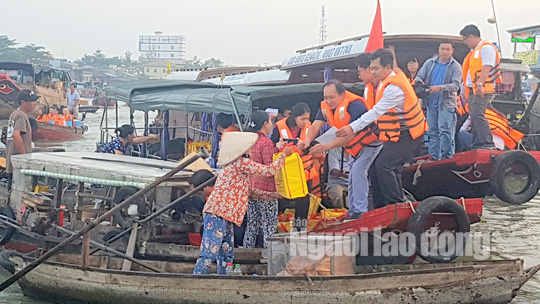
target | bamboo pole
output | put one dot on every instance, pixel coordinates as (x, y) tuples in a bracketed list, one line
[(16, 276)]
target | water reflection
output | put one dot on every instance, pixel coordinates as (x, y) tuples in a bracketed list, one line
[(515, 234)]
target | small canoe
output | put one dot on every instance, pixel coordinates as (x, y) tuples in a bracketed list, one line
[(51, 132), (63, 280)]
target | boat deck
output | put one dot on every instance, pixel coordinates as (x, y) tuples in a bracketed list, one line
[(99, 165)]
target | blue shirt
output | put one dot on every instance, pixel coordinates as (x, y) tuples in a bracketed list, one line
[(437, 78), (355, 109), (116, 144)]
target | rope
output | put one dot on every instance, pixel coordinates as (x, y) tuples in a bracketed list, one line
[(418, 173)]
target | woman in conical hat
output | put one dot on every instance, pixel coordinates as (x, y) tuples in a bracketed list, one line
[(227, 205)]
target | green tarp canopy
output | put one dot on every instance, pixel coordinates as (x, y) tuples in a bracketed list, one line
[(125, 90), (212, 99)]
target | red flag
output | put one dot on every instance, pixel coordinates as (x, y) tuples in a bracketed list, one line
[(376, 40)]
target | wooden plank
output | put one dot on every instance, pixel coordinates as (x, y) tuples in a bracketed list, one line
[(131, 246), (191, 253)]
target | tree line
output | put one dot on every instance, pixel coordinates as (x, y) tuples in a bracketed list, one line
[(11, 51)]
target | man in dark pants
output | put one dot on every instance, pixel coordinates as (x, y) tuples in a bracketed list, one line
[(401, 125), (481, 70)]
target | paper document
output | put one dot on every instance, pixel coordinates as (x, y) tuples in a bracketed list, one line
[(327, 137)]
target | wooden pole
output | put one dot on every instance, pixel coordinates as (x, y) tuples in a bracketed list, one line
[(16, 276), (160, 211), (126, 265), (13, 223), (85, 252), (113, 251)]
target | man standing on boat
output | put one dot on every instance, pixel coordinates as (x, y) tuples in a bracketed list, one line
[(19, 133), (443, 75), (339, 108), (401, 125), (73, 99), (481, 70)]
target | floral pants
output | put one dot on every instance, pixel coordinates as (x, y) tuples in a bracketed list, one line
[(260, 213), (216, 246)]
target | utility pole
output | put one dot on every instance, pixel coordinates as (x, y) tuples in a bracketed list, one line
[(322, 28)]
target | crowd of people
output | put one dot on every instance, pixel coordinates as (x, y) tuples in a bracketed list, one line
[(375, 135)]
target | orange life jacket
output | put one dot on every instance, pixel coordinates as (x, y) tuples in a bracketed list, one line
[(68, 118), (285, 132), (340, 117), (473, 65), (231, 128), (43, 118), (460, 108), (391, 123), (499, 126), (369, 96), (58, 120), (311, 165)]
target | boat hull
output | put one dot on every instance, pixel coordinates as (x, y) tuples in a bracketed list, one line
[(50, 132), (487, 282)]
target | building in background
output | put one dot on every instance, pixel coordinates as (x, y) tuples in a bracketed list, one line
[(158, 69), (162, 47)]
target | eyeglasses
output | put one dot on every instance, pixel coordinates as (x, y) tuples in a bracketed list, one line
[(465, 38)]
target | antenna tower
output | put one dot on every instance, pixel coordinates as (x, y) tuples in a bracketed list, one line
[(322, 29)]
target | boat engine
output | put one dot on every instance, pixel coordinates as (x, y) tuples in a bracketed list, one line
[(37, 213), (37, 221)]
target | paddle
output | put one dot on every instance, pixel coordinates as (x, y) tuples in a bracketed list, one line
[(16, 276)]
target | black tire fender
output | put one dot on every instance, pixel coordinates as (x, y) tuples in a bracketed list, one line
[(9, 230), (419, 219), (502, 163), (121, 217)]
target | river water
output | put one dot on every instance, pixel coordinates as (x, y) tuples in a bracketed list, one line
[(515, 229)]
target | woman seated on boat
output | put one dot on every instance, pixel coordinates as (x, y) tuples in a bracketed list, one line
[(125, 137), (68, 117), (42, 117)]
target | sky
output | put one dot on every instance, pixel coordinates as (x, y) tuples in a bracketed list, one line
[(245, 32)]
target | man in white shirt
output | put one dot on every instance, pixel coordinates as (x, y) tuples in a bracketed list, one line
[(400, 145), (480, 72), (73, 99)]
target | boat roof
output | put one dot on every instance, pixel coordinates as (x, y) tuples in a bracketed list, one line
[(267, 77), (530, 30), (220, 100), (343, 52), (97, 165), (125, 90)]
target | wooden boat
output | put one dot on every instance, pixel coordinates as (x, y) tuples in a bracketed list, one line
[(62, 280), (514, 176), (103, 102), (51, 132)]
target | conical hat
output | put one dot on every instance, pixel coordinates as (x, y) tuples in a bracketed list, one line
[(234, 145)]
